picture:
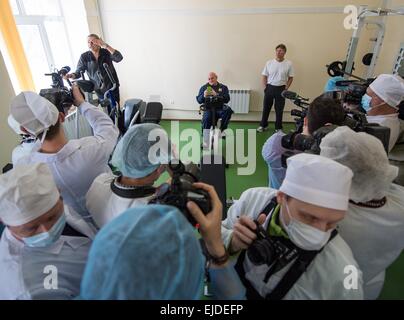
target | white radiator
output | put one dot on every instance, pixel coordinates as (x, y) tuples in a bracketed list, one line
[(240, 101)]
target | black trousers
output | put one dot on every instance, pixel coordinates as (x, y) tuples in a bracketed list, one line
[(273, 93)]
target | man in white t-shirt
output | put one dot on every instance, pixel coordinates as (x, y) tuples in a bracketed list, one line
[(277, 76)]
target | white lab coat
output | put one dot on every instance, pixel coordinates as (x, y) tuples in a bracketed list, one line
[(324, 278), (80, 161), (22, 269), (390, 121), (104, 205), (376, 237)]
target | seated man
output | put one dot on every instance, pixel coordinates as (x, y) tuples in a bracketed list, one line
[(141, 160), (374, 224), (214, 88), (44, 248), (321, 111), (385, 95), (301, 219), (75, 163)]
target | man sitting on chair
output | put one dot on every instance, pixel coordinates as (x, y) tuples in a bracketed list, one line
[(214, 88)]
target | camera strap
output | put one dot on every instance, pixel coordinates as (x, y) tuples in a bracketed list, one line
[(270, 206), (301, 264), (131, 192)]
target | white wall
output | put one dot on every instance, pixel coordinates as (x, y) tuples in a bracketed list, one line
[(8, 138), (170, 46)]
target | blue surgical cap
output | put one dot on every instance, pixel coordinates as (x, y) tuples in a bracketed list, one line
[(142, 150), (149, 252), (331, 84)]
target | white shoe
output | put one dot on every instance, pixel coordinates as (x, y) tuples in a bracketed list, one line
[(278, 130), (223, 135), (262, 129)]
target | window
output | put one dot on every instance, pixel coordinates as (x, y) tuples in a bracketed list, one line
[(53, 33)]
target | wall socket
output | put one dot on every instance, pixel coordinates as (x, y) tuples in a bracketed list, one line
[(171, 102)]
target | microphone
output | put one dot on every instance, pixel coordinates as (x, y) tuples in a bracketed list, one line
[(289, 95)]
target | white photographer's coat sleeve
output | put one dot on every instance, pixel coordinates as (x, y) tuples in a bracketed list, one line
[(250, 204), (104, 129)]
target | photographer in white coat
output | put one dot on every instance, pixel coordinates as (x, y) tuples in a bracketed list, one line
[(43, 239), (141, 157), (374, 225), (75, 163), (296, 253)]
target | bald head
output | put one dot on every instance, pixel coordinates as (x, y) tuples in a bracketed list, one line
[(212, 78)]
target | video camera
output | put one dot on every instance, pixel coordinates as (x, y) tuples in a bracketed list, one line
[(355, 89), (181, 190), (58, 94), (311, 144)]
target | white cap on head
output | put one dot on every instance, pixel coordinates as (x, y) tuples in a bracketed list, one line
[(318, 181), (26, 193), (33, 112), (365, 156), (14, 125), (389, 88)]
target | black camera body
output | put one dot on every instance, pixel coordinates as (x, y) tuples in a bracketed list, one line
[(58, 94), (181, 190), (265, 249)]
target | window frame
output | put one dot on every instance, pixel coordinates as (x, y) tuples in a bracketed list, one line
[(39, 20)]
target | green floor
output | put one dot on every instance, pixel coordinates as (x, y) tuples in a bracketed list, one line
[(394, 285)]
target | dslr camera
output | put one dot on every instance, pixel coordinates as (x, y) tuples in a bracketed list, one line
[(181, 190), (265, 249), (58, 94)]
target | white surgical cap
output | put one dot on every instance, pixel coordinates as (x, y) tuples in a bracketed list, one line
[(33, 112), (389, 88), (366, 157), (143, 148), (317, 180), (26, 193)]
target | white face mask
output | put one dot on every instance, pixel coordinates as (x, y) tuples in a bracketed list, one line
[(304, 236)]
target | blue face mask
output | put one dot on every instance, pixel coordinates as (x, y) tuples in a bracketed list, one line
[(366, 102), (45, 239)]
